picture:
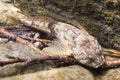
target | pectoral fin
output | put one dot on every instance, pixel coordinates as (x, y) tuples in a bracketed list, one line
[(57, 48)]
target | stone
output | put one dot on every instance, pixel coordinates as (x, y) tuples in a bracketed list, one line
[(17, 50), (67, 73), (7, 14), (112, 74), (7, 1)]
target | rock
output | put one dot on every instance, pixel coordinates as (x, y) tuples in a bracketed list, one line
[(21, 51), (22, 68), (7, 14), (11, 69), (100, 17), (18, 50), (67, 73), (7, 1), (112, 74)]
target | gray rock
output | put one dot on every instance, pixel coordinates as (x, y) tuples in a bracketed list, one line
[(67, 73), (17, 50), (112, 74), (8, 12), (7, 1), (11, 69), (21, 51), (22, 68)]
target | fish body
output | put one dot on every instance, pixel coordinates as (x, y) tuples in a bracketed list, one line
[(69, 40)]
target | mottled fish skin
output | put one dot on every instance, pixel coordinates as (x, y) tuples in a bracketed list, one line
[(69, 41), (78, 43)]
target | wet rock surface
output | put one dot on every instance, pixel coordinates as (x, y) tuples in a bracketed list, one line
[(67, 73), (22, 68), (7, 1), (24, 52), (18, 51), (112, 74)]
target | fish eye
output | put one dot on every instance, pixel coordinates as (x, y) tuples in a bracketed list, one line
[(90, 59)]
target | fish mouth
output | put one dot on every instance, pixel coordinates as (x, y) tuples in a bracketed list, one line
[(93, 63), (99, 62)]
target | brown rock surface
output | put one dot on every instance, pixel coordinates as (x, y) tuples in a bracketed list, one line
[(23, 52), (67, 73), (112, 74)]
